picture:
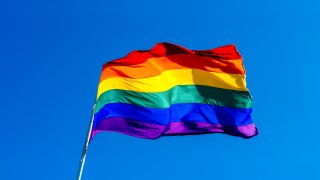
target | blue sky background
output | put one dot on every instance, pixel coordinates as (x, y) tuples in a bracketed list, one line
[(51, 53)]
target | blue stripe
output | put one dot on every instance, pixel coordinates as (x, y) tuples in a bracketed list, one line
[(226, 116)]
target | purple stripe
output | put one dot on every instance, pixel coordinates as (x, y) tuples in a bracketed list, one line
[(181, 128), (153, 131), (129, 127)]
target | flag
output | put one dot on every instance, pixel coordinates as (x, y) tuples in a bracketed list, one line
[(171, 90)]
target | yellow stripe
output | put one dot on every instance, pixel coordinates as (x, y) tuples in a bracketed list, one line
[(171, 78)]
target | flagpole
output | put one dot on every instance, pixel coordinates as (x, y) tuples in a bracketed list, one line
[(86, 144)]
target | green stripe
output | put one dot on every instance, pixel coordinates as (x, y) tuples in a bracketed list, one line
[(176, 95)]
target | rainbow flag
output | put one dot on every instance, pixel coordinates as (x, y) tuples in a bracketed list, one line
[(171, 90)]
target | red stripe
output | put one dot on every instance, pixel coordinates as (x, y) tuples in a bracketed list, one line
[(227, 52), (164, 56)]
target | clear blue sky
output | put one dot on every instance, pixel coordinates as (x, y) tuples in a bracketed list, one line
[(51, 53)]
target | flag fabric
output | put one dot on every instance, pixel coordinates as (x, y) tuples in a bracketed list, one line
[(171, 90)]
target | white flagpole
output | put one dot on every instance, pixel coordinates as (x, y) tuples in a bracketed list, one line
[(85, 147)]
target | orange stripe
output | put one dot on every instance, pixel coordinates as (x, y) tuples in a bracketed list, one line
[(156, 65)]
